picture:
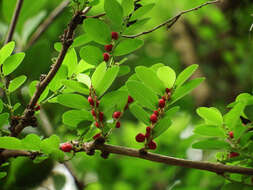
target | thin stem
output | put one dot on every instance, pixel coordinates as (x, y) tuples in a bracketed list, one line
[(170, 22)]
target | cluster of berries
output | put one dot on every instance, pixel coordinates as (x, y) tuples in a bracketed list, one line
[(150, 143), (108, 48)]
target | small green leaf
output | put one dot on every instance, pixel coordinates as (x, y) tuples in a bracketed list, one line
[(141, 11), (98, 75), (6, 51), (73, 117), (83, 66), (107, 80), (144, 95), (50, 144), (73, 101), (127, 46), (81, 40), (61, 74), (16, 83), (128, 6), (4, 119), (97, 30), (57, 155), (91, 54), (85, 79), (76, 86), (211, 115), (211, 145), (167, 75), (149, 78), (32, 89), (114, 11), (123, 70), (139, 113), (70, 61), (11, 143), (12, 62), (2, 174), (185, 89), (31, 142), (209, 130), (1, 105), (185, 74)]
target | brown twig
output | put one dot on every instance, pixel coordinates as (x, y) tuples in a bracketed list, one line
[(67, 40), (14, 21), (97, 16), (46, 23), (170, 22)]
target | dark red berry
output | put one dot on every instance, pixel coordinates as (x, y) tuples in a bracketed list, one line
[(156, 113), (153, 118), (231, 134), (164, 98), (97, 103), (108, 47), (97, 124), (167, 90), (115, 35), (90, 100), (116, 115), (101, 116), (118, 124), (233, 154), (130, 99), (140, 137), (93, 113), (148, 131), (66, 147), (37, 107), (106, 56), (97, 136), (161, 103), (152, 145)]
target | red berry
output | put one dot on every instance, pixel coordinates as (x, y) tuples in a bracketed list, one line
[(108, 47), (93, 113), (231, 134), (106, 56), (115, 35), (116, 114), (153, 118), (156, 113), (233, 154), (118, 124), (167, 90), (130, 99), (148, 131), (161, 103), (37, 108), (66, 147), (97, 103), (164, 98), (90, 100), (97, 124), (140, 137), (96, 136), (101, 116), (152, 145)]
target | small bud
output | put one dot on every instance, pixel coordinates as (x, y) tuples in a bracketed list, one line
[(96, 136), (108, 47), (97, 124), (101, 116), (66, 147), (169, 95), (233, 154), (97, 103), (153, 118), (93, 112), (148, 131), (130, 99), (37, 107), (167, 90), (152, 145), (161, 103), (118, 124), (156, 113), (164, 98), (90, 100), (140, 137), (231, 134), (115, 35), (116, 114), (106, 56)]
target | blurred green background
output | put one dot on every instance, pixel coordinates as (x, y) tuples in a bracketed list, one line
[(216, 37)]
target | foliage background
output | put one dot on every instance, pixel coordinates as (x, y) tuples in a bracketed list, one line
[(215, 37)]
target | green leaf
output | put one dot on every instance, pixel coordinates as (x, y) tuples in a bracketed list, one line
[(144, 95), (61, 74), (97, 30), (128, 6), (76, 86), (236, 186), (209, 130), (6, 51), (136, 26), (139, 113), (31, 142), (107, 80), (149, 78), (81, 40), (127, 46), (185, 89), (1, 105), (12, 62), (211, 115), (2, 174), (98, 75), (4, 119), (185, 74), (123, 70), (16, 83), (85, 79), (57, 155), (59, 181), (70, 61), (141, 11), (73, 117), (164, 123), (91, 54), (73, 101), (211, 145), (32, 89), (11, 143), (114, 11), (50, 144), (83, 66), (167, 75)]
